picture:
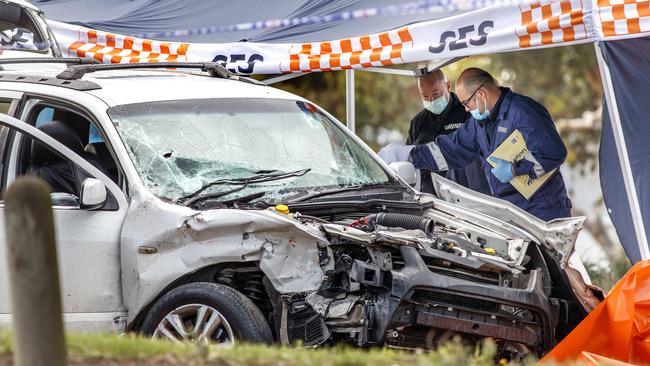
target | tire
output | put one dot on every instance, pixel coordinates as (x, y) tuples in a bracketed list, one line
[(236, 315)]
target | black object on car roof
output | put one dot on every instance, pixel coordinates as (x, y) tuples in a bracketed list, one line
[(26, 78), (214, 69), (78, 67)]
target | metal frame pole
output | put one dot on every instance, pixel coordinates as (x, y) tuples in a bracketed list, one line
[(386, 70), (349, 100), (621, 148), (281, 78)]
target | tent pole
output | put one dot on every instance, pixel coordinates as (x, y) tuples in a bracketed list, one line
[(386, 70), (349, 99), (281, 78), (621, 147)]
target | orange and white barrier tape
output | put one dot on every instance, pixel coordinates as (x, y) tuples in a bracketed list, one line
[(500, 28)]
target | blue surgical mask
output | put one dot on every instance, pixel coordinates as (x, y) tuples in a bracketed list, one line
[(436, 106), (478, 115)]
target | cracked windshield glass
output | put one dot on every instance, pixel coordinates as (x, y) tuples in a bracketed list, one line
[(274, 148)]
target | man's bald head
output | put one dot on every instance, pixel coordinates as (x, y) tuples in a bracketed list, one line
[(472, 78), (432, 78), (476, 88), (433, 85)]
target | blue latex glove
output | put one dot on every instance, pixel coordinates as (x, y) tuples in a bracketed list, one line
[(502, 170)]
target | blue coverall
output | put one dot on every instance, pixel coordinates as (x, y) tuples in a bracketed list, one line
[(546, 152)]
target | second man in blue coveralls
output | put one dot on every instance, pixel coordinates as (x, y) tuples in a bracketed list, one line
[(496, 113)]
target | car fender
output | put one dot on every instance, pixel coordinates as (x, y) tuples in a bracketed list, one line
[(162, 242)]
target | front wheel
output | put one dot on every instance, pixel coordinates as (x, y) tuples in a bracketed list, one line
[(206, 312)]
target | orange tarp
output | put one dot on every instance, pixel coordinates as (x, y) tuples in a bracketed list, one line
[(617, 329)]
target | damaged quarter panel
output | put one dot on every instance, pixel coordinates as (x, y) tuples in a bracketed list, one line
[(182, 241)]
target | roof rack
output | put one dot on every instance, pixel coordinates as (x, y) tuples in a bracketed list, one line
[(82, 85), (76, 72), (76, 84), (49, 60)]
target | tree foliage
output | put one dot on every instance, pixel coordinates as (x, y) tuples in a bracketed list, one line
[(564, 79)]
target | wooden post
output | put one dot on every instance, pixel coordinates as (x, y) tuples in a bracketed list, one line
[(33, 275)]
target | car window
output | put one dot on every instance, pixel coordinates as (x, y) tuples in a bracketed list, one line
[(44, 116), (64, 177), (4, 106), (18, 30), (95, 149)]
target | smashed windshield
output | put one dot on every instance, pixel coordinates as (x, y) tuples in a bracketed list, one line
[(182, 147), (18, 29)]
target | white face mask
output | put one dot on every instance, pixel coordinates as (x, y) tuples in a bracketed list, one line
[(436, 106)]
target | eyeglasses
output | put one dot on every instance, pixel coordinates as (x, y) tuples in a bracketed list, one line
[(465, 102)]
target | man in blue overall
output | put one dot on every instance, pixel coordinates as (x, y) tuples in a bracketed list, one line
[(443, 114), (496, 113)]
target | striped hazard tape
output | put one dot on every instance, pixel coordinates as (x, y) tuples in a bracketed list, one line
[(379, 49), (548, 22), (521, 25), (621, 17), (113, 48)]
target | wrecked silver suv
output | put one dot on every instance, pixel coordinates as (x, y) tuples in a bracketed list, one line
[(205, 207)]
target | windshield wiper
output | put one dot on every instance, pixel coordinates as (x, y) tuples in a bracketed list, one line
[(243, 182), (204, 203), (244, 199), (343, 189)]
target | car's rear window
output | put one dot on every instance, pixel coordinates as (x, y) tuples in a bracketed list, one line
[(18, 29)]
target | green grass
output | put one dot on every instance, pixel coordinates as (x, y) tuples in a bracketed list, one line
[(134, 348)]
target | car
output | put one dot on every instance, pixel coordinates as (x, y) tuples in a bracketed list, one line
[(196, 205), (24, 31)]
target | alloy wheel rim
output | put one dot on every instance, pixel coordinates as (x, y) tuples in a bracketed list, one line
[(197, 323)]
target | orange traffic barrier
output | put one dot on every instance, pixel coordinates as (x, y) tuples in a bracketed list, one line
[(617, 331)]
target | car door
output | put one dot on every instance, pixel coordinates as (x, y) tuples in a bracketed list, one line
[(88, 242)]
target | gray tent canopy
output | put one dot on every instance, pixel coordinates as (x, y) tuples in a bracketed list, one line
[(221, 21)]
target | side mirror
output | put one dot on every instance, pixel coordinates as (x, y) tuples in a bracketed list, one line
[(93, 194), (406, 171)]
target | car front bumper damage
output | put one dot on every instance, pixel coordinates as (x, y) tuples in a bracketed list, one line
[(397, 303)]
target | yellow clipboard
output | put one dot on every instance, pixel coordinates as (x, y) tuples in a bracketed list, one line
[(513, 149)]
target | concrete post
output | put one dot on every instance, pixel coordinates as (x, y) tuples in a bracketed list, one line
[(33, 275)]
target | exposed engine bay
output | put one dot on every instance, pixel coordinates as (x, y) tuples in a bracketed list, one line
[(413, 279)]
